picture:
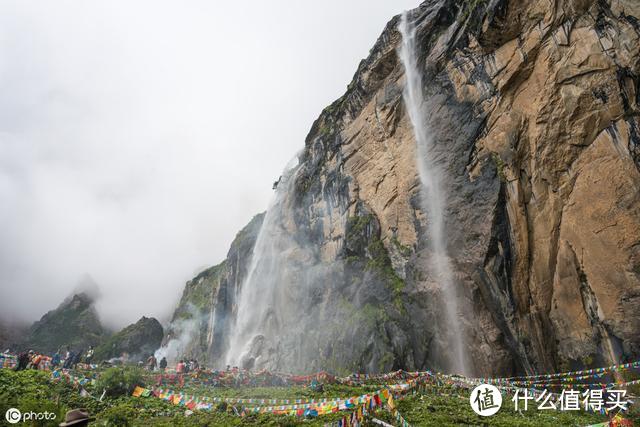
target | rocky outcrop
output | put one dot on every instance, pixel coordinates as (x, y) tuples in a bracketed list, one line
[(74, 323), (534, 109), (138, 340)]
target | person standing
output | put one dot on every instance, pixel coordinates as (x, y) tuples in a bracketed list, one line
[(163, 364), (55, 360), (35, 361), (68, 361), (152, 363), (23, 360), (89, 356), (77, 359)]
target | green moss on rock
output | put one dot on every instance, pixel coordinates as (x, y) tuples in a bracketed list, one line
[(140, 339)]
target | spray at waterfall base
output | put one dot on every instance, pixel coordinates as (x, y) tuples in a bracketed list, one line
[(288, 292)]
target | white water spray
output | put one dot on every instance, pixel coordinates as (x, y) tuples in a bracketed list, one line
[(433, 197), (262, 299), (184, 333)]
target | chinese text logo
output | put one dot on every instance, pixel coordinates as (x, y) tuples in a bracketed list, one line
[(485, 400)]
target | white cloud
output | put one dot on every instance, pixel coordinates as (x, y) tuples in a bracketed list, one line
[(136, 138)]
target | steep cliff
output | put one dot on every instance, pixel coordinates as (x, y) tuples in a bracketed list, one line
[(533, 107)]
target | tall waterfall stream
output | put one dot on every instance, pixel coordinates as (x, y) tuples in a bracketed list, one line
[(433, 197)]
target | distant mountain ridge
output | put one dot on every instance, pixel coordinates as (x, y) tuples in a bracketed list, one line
[(75, 324)]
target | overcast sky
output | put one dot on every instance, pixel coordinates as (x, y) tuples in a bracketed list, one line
[(137, 137)]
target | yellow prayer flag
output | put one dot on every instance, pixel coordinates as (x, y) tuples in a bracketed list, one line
[(137, 392)]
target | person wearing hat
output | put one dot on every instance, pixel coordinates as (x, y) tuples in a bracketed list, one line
[(77, 418)]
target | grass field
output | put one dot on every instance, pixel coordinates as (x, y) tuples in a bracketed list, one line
[(431, 406)]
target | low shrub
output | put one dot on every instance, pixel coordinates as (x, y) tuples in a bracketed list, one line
[(121, 415), (119, 381)]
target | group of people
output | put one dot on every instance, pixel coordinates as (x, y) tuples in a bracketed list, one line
[(152, 364), (29, 360), (186, 366), (68, 359)]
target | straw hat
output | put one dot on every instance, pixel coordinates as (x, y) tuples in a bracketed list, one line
[(76, 416)]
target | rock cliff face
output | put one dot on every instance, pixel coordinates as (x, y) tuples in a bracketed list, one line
[(533, 107)]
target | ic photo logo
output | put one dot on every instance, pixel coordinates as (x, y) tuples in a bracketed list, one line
[(485, 400), (13, 415)]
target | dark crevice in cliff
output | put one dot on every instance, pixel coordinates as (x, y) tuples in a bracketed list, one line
[(609, 346), (496, 275), (629, 84), (634, 140)]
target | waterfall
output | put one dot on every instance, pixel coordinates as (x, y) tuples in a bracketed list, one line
[(262, 298), (432, 195)]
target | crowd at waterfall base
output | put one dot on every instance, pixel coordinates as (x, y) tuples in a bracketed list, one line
[(604, 396)]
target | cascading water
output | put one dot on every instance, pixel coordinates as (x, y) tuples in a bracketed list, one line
[(262, 297), (433, 198)]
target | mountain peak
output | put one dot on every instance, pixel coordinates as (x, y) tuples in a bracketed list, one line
[(73, 323)]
